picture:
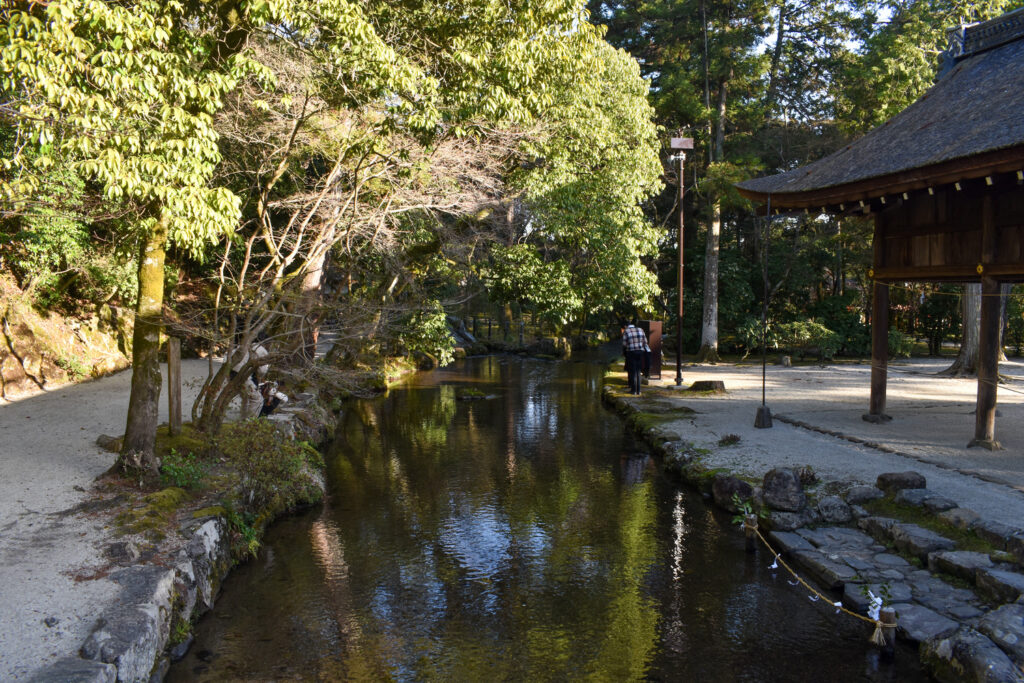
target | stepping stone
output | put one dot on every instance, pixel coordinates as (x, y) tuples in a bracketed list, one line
[(832, 574), (999, 584), (967, 655), (788, 521), (961, 563), (834, 510), (1005, 627), (855, 594), (836, 537), (918, 541), (961, 518), (890, 560), (878, 527), (994, 532), (786, 542), (1015, 544), (890, 482), (919, 624)]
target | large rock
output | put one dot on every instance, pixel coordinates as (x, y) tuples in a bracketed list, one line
[(920, 624), (961, 563), (918, 541), (961, 518), (967, 655), (890, 482), (862, 494), (132, 635), (834, 510), (1005, 626), (789, 521), (725, 487), (880, 528), (783, 491), (1000, 585), (76, 670)]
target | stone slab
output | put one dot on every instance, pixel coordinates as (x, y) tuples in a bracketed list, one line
[(961, 563), (994, 532), (937, 504), (919, 624), (967, 655), (912, 497), (855, 594), (836, 537), (856, 495), (918, 541), (1000, 585), (787, 542), (1005, 628), (829, 572), (880, 528)]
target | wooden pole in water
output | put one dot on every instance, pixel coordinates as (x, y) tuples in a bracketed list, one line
[(888, 618), (174, 385), (749, 529)]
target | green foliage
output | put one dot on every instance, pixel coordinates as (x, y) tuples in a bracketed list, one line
[(183, 471), (426, 331), (900, 344), (938, 316), (275, 473), (1015, 320), (74, 366), (844, 315)]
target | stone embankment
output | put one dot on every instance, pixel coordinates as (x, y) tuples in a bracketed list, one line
[(161, 595), (954, 578)]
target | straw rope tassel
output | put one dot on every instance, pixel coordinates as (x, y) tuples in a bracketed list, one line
[(877, 637)]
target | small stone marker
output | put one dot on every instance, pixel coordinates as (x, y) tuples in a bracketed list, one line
[(890, 482)]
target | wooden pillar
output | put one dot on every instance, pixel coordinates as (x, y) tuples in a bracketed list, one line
[(879, 353), (174, 385), (988, 367)]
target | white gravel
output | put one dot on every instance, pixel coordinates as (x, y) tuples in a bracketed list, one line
[(48, 461), (932, 424)]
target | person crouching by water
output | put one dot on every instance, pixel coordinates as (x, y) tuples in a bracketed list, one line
[(634, 345), (259, 397)]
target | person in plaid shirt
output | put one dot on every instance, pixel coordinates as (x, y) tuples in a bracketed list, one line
[(634, 347)]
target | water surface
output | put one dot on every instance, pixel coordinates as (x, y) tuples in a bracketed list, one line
[(523, 536)]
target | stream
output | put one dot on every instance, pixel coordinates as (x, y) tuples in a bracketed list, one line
[(525, 536)]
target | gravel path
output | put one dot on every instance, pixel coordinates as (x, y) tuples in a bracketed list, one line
[(48, 461), (932, 423)]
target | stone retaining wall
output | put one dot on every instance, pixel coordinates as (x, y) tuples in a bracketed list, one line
[(132, 640)]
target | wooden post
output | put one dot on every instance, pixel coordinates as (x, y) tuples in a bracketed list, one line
[(988, 367), (879, 353), (749, 527), (174, 385), (888, 616)]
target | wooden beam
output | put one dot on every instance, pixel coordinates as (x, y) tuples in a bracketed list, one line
[(1009, 160), (988, 367), (879, 353), (174, 385), (988, 340)]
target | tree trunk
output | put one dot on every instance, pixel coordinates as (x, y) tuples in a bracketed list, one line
[(708, 352), (143, 404), (966, 363)]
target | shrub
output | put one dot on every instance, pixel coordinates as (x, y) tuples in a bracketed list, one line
[(183, 471), (275, 472), (808, 336), (900, 345)]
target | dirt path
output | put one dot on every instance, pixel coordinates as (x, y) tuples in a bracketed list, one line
[(48, 460)]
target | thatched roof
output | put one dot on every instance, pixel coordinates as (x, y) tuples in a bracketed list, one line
[(969, 124)]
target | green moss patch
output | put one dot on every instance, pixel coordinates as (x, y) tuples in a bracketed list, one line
[(964, 539)]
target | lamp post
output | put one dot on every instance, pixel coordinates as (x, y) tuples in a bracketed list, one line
[(680, 144)]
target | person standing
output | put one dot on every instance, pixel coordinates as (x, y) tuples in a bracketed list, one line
[(634, 343)]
